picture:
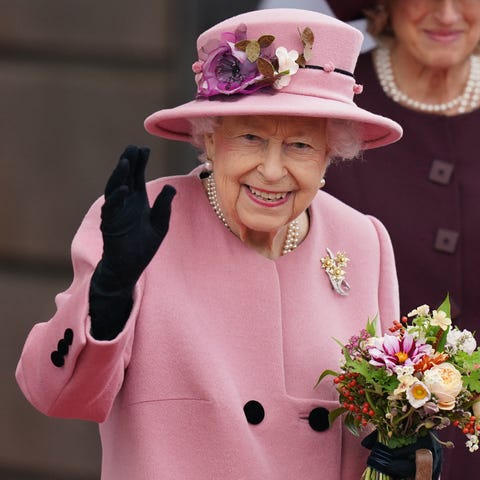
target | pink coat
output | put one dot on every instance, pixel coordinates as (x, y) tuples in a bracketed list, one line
[(213, 376)]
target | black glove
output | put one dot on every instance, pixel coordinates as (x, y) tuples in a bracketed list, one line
[(399, 463), (132, 233)]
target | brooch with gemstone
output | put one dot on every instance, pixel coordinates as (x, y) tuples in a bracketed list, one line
[(334, 267)]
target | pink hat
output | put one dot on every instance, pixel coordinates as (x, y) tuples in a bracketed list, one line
[(277, 62)]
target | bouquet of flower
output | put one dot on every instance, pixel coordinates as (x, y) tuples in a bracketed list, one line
[(422, 375)]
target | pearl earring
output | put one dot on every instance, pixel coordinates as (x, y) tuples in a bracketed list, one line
[(322, 183), (208, 165)]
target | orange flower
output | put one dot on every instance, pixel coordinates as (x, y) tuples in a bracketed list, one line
[(428, 362)]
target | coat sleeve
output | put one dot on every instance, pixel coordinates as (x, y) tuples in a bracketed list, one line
[(63, 371)]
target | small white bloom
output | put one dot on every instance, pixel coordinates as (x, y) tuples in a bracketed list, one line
[(406, 381), (472, 443), (421, 311), (401, 370), (460, 340), (440, 319), (287, 66), (405, 377)]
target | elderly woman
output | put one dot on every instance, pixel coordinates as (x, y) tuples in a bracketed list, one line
[(426, 75), (195, 329)]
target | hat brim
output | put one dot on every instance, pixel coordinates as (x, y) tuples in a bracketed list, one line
[(375, 130)]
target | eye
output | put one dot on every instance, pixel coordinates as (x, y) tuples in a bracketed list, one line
[(251, 137), (300, 145)]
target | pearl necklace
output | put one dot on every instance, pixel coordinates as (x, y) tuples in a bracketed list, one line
[(468, 100), (293, 231)]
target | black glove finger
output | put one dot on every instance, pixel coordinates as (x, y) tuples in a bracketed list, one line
[(139, 170), (113, 204), (370, 440), (161, 210), (118, 177)]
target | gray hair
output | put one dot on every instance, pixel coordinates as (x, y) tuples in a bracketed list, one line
[(343, 136)]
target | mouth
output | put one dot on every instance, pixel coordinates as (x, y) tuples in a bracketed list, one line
[(267, 198), (443, 36)]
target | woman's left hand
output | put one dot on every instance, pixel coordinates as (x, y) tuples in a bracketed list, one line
[(400, 462)]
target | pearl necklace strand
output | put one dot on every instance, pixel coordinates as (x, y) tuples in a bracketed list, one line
[(468, 100), (293, 231)]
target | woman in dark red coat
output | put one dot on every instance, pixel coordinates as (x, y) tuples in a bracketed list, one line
[(425, 188)]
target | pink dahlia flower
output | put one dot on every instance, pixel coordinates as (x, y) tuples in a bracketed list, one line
[(391, 351)]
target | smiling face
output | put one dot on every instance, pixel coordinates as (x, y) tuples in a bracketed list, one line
[(436, 33), (267, 170)]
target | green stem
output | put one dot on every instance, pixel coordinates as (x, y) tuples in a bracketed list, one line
[(400, 419)]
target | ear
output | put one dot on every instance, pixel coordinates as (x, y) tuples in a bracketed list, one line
[(209, 141)]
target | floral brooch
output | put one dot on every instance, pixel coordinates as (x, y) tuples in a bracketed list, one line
[(334, 267), (235, 64)]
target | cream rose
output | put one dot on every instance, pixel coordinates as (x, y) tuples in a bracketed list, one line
[(445, 382)]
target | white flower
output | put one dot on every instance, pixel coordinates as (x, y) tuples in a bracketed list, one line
[(440, 319), (401, 370), (472, 443), (460, 340), (421, 311), (418, 394), (406, 381), (287, 66)]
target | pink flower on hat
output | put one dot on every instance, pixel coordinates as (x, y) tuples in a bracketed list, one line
[(233, 64), (224, 70)]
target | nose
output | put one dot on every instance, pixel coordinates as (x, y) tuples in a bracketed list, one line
[(447, 11), (271, 165)]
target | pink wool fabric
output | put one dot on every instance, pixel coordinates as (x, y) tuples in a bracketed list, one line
[(214, 326)]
